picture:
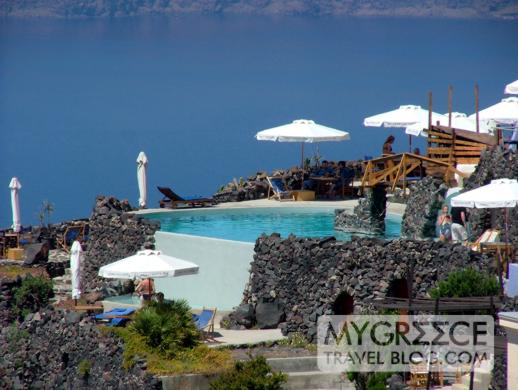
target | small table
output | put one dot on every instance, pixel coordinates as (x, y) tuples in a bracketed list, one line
[(303, 195), (322, 181), (89, 309)]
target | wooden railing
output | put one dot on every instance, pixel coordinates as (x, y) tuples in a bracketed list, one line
[(395, 169)]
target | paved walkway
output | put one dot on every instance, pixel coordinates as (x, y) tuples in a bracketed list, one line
[(247, 336), (395, 208)]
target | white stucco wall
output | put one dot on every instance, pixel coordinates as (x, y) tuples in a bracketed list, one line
[(224, 270)]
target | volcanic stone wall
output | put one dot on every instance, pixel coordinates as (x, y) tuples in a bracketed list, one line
[(58, 350), (304, 276), (114, 234), (368, 216), (7, 287), (424, 202), (494, 164)]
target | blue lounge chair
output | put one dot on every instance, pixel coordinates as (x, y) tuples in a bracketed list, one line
[(280, 192), (205, 321), (115, 317)]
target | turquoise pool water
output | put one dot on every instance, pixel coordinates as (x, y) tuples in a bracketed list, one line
[(248, 224)]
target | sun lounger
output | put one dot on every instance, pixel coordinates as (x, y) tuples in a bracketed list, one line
[(205, 321), (279, 190), (490, 235), (116, 317), (173, 200)]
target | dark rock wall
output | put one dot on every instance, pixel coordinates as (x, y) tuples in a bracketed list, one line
[(494, 164), (47, 350), (305, 276), (114, 234), (7, 287), (424, 202), (368, 216)]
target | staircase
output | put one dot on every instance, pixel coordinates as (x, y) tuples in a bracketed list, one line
[(303, 373), (62, 286)]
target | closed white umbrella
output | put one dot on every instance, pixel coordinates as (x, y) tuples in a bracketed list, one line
[(505, 112), (15, 186), (148, 264), (459, 120), (499, 193), (142, 162), (512, 88), (76, 257), (403, 116), (302, 130)]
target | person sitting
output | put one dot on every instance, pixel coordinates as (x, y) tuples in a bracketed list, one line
[(324, 170), (440, 218), (445, 229), (345, 177), (145, 289)]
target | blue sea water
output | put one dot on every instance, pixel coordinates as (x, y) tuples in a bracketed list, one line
[(248, 224), (80, 98)]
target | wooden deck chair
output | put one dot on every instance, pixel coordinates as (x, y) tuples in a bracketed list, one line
[(278, 189), (418, 375), (205, 321), (72, 233), (490, 235), (173, 200)]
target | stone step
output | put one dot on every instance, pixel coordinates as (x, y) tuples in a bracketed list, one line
[(62, 279), (294, 364), (62, 290), (316, 380), (303, 373)]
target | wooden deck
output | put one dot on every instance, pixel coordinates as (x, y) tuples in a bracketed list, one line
[(400, 169), (447, 148)]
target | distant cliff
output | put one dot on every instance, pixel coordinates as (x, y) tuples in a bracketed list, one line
[(500, 9)]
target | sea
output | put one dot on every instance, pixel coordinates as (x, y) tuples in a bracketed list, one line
[(79, 99)]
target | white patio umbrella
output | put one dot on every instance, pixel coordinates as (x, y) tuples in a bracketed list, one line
[(142, 162), (15, 186), (459, 120), (76, 257), (500, 193), (512, 88), (404, 116), (302, 130), (505, 112), (148, 264)]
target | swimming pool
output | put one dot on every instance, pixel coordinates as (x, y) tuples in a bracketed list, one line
[(247, 225)]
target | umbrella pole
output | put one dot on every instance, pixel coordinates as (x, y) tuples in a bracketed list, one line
[(409, 143), (302, 155), (507, 249)]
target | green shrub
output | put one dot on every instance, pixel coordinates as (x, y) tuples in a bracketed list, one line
[(466, 283), (34, 293), (15, 338), (369, 380), (254, 374), (167, 326), (83, 369)]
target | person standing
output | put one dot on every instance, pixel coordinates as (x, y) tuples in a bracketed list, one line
[(146, 289), (387, 146)]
